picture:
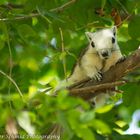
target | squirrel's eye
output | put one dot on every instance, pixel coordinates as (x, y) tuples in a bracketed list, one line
[(113, 40), (92, 44)]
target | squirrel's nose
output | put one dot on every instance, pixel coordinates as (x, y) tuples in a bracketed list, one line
[(104, 53)]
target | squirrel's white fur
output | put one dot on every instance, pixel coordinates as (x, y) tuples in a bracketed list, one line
[(102, 53), (92, 61)]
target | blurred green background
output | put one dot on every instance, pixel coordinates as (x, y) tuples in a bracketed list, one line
[(31, 54)]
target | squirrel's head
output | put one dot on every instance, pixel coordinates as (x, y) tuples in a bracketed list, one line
[(103, 41)]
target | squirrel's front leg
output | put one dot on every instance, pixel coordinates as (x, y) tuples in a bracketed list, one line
[(121, 59)]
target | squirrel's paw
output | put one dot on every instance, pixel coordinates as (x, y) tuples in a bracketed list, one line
[(98, 76), (121, 59)]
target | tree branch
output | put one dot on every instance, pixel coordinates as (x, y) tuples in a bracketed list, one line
[(110, 77), (82, 92)]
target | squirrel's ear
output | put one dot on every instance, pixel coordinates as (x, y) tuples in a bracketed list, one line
[(114, 30), (89, 35)]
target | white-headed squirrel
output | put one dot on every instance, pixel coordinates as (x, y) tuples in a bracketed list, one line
[(102, 53)]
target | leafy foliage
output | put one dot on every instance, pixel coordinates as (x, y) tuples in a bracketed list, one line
[(32, 55)]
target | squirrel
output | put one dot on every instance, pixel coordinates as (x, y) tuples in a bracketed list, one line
[(102, 52)]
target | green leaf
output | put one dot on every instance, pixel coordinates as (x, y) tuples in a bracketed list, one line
[(4, 37), (63, 121), (85, 134), (99, 125), (103, 4), (116, 136), (105, 108), (87, 116), (73, 118), (25, 31), (133, 27)]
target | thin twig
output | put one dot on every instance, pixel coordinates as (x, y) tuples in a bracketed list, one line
[(21, 17), (58, 9), (4, 74), (12, 6), (63, 51), (64, 6), (122, 6), (71, 54), (124, 20), (87, 25), (43, 16)]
